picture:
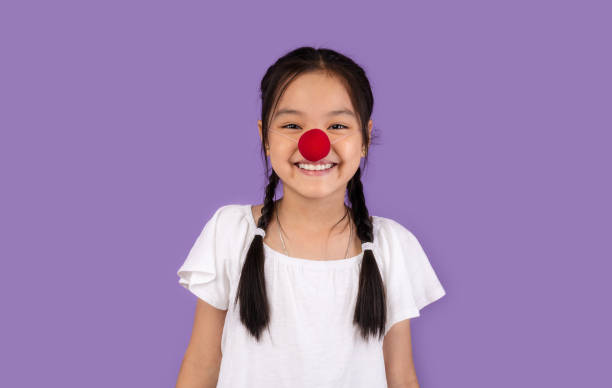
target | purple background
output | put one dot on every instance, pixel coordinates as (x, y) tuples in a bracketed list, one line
[(126, 124)]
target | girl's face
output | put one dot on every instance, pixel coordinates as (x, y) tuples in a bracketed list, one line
[(315, 100)]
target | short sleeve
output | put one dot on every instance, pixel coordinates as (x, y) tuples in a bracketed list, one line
[(411, 280), (204, 270)]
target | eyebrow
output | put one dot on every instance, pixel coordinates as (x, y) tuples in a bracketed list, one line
[(330, 113)]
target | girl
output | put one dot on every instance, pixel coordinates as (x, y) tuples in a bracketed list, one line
[(304, 290)]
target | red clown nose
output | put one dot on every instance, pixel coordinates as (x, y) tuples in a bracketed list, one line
[(314, 144)]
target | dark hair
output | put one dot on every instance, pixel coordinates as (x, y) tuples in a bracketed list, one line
[(370, 310)]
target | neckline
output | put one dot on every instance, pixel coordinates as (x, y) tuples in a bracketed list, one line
[(300, 260)]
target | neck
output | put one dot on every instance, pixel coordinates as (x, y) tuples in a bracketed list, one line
[(313, 216)]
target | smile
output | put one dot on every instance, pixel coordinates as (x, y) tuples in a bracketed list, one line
[(306, 166), (315, 169)]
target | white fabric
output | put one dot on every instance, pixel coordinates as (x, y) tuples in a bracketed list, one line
[(311, 340)]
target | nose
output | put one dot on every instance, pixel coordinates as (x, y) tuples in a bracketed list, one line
[(314, 144)]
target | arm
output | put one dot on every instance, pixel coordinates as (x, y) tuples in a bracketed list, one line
[(202, 360), (397, 351)]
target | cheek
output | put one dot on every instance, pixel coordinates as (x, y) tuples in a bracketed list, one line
[(281, 155), (349, 166), (281, 149), (349, 151)]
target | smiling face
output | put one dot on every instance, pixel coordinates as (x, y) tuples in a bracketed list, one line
[(315, 100)]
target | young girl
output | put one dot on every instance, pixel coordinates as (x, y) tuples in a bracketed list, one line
[(304, 290)]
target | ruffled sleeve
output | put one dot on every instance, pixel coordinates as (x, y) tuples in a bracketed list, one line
[(411, 281), (205, 271)]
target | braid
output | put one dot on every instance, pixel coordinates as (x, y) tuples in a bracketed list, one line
[(254, 306), (361, 216), (267, 211), (371, 307)]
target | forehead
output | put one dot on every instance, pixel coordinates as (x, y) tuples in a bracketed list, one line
[(314, 93)]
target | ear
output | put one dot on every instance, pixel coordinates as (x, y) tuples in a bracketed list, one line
[(365, 148), (259, 123)]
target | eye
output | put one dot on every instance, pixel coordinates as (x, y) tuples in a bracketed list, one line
[(285, 126), (333, 125)]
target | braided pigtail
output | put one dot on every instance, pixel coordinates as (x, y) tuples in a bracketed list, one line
[(371, 307), (251, 292)]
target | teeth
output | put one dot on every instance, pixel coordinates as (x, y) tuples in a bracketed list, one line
[(315, 166)]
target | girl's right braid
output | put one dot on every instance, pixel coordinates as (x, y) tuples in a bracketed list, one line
[(251, 291), (267, 211)]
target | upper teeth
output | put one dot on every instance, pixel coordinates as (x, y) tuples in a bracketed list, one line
[(315, 166)]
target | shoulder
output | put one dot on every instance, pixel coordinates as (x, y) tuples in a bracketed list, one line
[(389, 231), (232, 215), (397, 245), (232, 226)]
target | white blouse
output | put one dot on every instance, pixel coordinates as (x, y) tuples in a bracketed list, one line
[(311, 340)]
